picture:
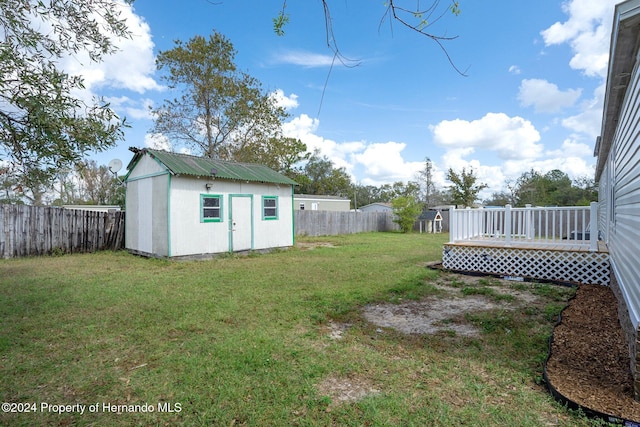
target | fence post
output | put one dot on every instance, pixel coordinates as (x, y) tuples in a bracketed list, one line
[(507, 224), (593, 227)]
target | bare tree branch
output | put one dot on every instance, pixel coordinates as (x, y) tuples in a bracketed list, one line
[(417, 19), (398, 13)]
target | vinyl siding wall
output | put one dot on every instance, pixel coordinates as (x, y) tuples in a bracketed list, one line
[(620, 199)]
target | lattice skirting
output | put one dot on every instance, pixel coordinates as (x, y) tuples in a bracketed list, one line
[(564, 266)]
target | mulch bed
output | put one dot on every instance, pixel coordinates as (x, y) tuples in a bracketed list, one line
[(589, 362)]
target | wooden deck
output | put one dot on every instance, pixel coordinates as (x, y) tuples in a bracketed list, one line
[(546, 245)]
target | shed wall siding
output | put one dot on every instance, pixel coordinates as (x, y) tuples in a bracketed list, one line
[(274, 233), (131, 229), (624, 203), (190, 236), (146, 206), (159, 207), (146, 166)]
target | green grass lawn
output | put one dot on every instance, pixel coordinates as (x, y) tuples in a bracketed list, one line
[(244, 340)]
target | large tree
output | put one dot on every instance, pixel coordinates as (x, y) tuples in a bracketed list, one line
[(44, 125), (465, 188), (319, 176), (220, 111), (553, 188), (278, 152), (427, 184)]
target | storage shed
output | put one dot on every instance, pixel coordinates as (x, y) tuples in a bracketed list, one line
[(377, 207), (179, 205), (430, 222)]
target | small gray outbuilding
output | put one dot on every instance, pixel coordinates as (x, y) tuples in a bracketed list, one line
[(314, 202), (377, 207)]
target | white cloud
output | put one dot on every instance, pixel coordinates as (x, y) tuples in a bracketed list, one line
[(589, 120), (304, 128), (514, 69), (545, 97), (287, 102), (303, 58), (131, 67), (586, 30), (133, 109), (157, 141), (508, 137), (384, 163), (570, 148)]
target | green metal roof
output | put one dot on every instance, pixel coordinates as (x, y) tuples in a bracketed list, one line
[(184, 164)]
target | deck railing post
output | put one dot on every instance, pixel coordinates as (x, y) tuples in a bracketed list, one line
[(507, 224), (453, 226), (528, 222), (593, 227)]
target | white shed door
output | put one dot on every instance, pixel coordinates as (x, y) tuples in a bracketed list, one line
[(241, 223)]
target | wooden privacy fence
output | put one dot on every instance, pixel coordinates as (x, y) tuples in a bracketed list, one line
[(31, 230), (330, 223)]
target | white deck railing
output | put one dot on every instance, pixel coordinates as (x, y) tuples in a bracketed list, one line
[(558, 226)]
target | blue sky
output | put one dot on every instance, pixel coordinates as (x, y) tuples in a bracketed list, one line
[(532, 98)]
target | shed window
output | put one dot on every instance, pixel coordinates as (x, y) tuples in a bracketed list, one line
[(210, 208), (269, 207)]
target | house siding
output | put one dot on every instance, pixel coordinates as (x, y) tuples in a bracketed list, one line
[(321, 203), (618, 174), (621, 196)]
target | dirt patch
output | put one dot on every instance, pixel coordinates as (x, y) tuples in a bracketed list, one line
[(445, 313), (336, 330), (342, 390), (429, 317), (308, 246)]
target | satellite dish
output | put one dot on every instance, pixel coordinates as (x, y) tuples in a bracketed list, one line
[(115, 165)]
